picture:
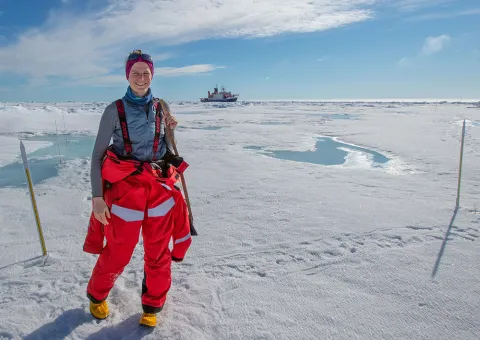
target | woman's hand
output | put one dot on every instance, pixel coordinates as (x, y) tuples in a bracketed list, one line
[(171, 121), (100, 210)]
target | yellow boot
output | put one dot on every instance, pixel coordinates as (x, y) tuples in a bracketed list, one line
[(148, 320), (99, 310)]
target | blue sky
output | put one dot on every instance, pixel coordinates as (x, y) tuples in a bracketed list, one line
[(60, 50)]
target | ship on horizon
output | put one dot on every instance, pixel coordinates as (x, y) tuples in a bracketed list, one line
[(222, 96)]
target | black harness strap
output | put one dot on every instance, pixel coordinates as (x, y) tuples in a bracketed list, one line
[(123, 124)]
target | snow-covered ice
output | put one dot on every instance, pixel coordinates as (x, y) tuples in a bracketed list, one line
[(287, 249)]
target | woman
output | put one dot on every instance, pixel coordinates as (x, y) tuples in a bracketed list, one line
[(131, 193)]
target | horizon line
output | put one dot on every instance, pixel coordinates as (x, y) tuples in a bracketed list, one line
[(340, 100)]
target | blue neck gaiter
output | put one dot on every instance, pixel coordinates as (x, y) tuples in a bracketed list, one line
[(133, 99)]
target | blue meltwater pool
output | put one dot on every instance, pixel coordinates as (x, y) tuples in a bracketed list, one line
[(327, 152), (44, 163)]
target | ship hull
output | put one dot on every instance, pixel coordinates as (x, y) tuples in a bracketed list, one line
[(222, 100)]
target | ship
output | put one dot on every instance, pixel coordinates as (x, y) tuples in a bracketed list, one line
[(222, 96)]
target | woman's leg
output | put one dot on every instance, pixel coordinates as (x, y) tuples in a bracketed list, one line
[(156, 231), (127, 201)]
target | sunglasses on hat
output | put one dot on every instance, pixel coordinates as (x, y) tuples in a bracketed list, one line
[(138, 54)]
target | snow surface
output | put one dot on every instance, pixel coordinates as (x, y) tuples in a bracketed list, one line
[(287, 250)]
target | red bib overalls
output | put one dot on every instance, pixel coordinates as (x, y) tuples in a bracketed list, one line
[(139, 199)]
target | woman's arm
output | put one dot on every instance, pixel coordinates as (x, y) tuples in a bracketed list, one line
[(104, 135)]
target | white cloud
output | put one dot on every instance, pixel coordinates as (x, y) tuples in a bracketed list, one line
[(101, 81), (431, 46), (181, 71), (435, 44), (473, 11), (162, 56), (444, 15), (76, 47), (412, 5), (115, 79)]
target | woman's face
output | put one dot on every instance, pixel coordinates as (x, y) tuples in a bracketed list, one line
[(140, 78)]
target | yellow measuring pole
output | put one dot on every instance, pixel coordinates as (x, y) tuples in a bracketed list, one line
[(32, 198)]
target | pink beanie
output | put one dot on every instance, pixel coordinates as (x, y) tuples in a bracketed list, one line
[(130, 63)]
